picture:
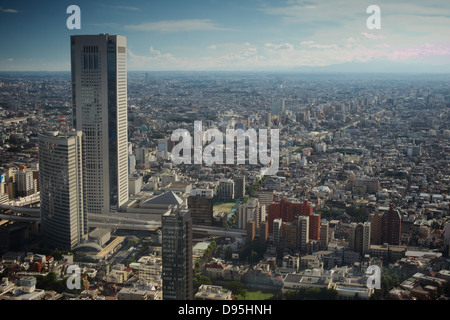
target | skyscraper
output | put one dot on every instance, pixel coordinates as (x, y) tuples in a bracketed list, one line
[(302, 233), (99, 93), (359, 237), (376, 230), (392, 227), (63, 211), (324, 234), (239, 187), (177, 254), (201, 204)]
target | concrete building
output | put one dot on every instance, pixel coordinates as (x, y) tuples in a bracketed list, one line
[(302, 233), (225, 189), (200, 203), (277, 232), (210, 292), (324, 234), (376, 230), (392, 227), (298, 281), (252, 210), (239, 187), (26, 184), (359, 237), (61, 174), (177, 254), (99, 93)]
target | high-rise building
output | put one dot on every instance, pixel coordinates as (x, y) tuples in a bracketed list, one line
[(359, 237), (392, 227), (251, 231), (239, 187), (263, 232), (288, 211), (289, 235), (302, 233), (99, 93), (61, 176), (251, 210), (225, 189), (376, 230), (26, 184), (177, 254), (277, 232), (200, 203), (324, 234)]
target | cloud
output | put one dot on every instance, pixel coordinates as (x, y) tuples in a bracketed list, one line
[(126, 8), (283, 46), (168, 26), (372, 36), (419, 51), (212, 47), (9, 10)]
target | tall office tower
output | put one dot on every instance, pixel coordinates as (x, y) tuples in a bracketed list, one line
[(177, 254), (268, 119), (200, 203), (302, 233), (63, 209), (324, 234), (251, 231), (263, 232), (359, 237), (99, 93), (376, 230), (239, 187), (277, 232), (392, 227)]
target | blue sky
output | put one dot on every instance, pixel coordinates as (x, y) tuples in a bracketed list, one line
[(233, 35)]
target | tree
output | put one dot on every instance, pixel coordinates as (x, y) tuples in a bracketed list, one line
[(235, 287), (228, 253), (198, 280)]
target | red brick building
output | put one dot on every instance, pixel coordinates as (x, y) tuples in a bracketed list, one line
[(288, 211)]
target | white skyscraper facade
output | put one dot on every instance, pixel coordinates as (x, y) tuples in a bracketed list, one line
[(99, 92), (63, 210)]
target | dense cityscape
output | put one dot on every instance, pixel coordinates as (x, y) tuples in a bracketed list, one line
[(363, 181)]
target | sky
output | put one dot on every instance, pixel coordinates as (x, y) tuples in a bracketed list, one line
[(232, 35)]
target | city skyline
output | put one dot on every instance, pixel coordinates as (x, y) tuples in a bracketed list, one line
[(232, 36), (95, 203)]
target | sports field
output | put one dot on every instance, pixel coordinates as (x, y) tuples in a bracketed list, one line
[(224, 206), (258, 295)]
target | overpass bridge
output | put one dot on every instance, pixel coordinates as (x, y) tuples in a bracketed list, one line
[(121, 221)]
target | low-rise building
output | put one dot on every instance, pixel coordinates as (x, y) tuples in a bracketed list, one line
[(210, 292)]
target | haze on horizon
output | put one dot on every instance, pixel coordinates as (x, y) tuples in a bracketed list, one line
[(250, 35)]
